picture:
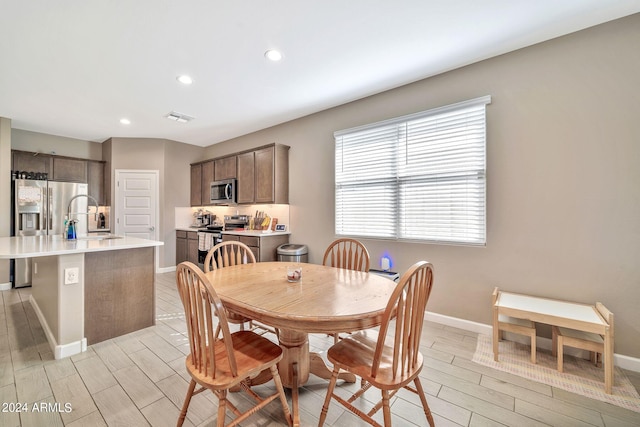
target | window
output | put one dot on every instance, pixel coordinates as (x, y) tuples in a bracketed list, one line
[(419, 177)]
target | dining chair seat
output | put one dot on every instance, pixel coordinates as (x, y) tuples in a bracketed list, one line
[(251, 353), (357, 351)]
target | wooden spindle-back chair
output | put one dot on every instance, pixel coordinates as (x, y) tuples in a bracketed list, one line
[(347, 253), (219, 365), (391, 359), (226, 254)]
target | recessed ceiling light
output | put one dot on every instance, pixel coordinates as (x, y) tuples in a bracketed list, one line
[(185, 80), (125, 121), (273, 55)]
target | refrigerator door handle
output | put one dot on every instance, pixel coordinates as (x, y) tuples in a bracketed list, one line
[(47, 209)]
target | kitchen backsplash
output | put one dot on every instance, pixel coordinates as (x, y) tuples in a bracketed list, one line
[(93, 223), (184, 215)]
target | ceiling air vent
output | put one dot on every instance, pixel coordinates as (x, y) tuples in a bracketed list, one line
[(179, 117)]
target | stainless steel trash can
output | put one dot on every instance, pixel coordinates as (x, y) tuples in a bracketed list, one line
[(292, 252)]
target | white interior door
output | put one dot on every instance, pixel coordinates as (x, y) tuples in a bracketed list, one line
[(137, 203)]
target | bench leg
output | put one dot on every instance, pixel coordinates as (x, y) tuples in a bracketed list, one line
[(533, 348), (560, 353)]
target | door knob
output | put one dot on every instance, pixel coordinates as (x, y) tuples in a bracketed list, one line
[(152, 228)]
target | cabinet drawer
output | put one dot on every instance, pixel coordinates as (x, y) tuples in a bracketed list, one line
[(192, 235), (228, 237), (250, 241), (181, 234)]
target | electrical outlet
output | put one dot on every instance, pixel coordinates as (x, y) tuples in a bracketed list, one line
[(71, 275)]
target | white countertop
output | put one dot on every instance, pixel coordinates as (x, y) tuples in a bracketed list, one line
[(190, 229), (255, 233), (36, 246)]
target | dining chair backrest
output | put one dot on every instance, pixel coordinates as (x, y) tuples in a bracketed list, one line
[(226, 254), (198, 298), (347, 253), (407, 306)]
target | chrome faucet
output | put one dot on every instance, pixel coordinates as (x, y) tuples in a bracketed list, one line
[(95, 202)]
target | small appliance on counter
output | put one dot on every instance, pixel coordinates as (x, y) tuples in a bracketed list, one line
[(236, 222), (202, 219)]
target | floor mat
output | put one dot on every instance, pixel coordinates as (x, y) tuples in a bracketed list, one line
[(580, 376)]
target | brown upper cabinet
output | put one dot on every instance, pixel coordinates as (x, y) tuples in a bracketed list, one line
[(225, 168), (262, 174), (272, 174), (196, 184), (96, 181), (68, 169), (208, 170), (61, 168), (31, 162), (246, 177)]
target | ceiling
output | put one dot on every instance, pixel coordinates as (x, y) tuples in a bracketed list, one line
[(76, 69)]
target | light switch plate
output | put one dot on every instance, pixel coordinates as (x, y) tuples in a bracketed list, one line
[(71, 275)]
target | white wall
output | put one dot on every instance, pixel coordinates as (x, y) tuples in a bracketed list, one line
[(5, 194), (563, 203)]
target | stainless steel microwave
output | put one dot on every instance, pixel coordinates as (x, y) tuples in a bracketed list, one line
[(224, 192)]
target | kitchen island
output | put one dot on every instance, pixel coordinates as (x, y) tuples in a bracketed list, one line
[(88, 290)]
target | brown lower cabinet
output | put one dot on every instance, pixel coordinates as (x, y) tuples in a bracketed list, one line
[(186, 246), (263, 247)]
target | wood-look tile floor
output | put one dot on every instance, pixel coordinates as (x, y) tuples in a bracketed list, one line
[(139, 379)]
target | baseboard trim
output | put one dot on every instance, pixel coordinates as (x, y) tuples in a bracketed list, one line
[(5, 286), (620, 360), (59, 351), (166, 269)]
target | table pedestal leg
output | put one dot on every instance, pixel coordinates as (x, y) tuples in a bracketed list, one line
[(294, 366), (295, 350), (320, 369)]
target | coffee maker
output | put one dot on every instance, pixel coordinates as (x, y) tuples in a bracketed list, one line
[(203, 219)]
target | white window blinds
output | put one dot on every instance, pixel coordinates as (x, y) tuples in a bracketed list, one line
[(417, 177)]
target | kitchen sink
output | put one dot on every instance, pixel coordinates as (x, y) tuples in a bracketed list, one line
[(100, 236)]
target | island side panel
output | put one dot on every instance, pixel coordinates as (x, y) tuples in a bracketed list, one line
[(44, 292), (119, 293), (59, 305)]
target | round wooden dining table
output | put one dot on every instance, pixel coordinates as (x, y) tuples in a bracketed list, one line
[(325, 300)]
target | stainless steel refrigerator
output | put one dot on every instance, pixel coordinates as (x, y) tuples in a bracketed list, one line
[(39, 209)]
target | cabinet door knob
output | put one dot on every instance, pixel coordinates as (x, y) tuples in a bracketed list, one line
[(152, 228)]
